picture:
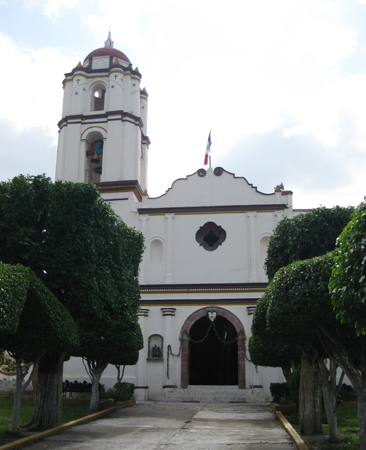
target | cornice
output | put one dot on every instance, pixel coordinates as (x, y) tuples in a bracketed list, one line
[(200, 302), (108, 116), (202, 288), (108, 187), (224, 209), (92, 73)]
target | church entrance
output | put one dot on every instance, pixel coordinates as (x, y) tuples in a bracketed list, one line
[(212, 349), (213, 352)]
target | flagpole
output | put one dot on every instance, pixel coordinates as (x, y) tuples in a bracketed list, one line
[(208, 151)]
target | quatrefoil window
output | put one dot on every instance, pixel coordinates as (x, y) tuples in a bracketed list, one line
[(210, 236)]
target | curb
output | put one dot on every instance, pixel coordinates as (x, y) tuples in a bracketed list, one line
[(300, 444), (43, 434)]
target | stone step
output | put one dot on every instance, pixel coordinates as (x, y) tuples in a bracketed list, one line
[(213, 394)]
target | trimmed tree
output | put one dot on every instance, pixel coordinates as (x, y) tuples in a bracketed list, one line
[(112, 347), (305, 236), (65, 232), (299, 305), (271, 354), (263, 348), (43, 325), (348, 290)]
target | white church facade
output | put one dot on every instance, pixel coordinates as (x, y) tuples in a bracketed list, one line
[(206, 240)]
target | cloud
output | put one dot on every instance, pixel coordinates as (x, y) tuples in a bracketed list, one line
[(52, 8), (32, 96), (29, 151), (304, 165)]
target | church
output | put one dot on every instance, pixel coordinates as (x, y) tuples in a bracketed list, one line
[(206, 241)]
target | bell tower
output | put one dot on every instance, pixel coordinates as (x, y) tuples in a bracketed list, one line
[(103, 131)]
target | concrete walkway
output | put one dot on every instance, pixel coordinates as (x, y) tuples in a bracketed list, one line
[(177, 426)]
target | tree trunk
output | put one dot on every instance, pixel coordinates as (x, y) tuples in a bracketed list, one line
[(310, 405), (330, 405), (119, 375), (94, 401), (95, 368), (17, 397), (48, 404), (330, 389)]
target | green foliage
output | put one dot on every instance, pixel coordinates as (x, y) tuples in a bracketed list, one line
[(305, 236), (295, 386), (279, 391), (264, 349), (121, 392), (79, 249), (269, 353), (299, 300), (259, 322), (348, 281), (44, 323), (346, 394), (14, 284)]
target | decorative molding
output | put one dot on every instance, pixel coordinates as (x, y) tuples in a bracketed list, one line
[(168, 311), (107, 187), (250, 310), (210, 236), (202, 288), (224, 209), (199, 302), (143, 312), (218, 171)]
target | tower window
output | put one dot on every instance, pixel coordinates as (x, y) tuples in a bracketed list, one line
[(99, 97)]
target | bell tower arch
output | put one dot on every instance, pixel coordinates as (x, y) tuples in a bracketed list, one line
[(103, 131)]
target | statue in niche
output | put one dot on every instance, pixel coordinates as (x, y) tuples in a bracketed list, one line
[(156, 352)]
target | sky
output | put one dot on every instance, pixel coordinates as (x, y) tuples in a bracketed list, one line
[(280, 84)]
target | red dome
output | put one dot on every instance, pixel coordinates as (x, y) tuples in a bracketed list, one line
[(108, 51)]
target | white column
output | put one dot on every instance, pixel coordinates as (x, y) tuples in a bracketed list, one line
[(168, 314), (169, 249), (141, 369), (252, 238), (278, 218), (142, 276)]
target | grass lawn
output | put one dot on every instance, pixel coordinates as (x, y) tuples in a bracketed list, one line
[(71, 410), (347, 430)]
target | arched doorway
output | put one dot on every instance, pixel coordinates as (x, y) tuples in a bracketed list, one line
[(231, 325), (213, 352)]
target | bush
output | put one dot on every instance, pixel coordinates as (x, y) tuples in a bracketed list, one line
[(346, 394), (279, 391), (295, 386), (121, 392)]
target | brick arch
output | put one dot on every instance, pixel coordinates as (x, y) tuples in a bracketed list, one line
[(184, 334)]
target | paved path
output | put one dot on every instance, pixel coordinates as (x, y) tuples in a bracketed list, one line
[(177, 426)]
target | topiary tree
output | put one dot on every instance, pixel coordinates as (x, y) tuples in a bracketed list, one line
[(69, 237), (299, 306), (305, 236), (271, 354), (43, 325), (264, 350), (348, 290), (113, 346)]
